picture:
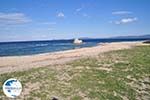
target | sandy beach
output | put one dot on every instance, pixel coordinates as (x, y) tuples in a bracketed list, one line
[(20, 63)]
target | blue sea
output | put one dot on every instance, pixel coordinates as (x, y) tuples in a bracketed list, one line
[(37, 47)]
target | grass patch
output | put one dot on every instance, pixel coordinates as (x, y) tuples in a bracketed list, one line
[(115, 75)]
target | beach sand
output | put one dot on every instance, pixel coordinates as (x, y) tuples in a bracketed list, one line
[(20, 63)]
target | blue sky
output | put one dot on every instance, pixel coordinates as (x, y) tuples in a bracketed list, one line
[(63, 19)]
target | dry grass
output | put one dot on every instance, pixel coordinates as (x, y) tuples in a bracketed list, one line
[(116, 75)]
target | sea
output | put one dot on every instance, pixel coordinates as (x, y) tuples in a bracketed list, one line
[(37, 47)]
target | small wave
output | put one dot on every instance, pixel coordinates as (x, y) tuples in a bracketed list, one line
[(61, 44), (41, 45)]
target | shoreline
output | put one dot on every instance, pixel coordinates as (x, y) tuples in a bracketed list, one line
[(21, 63), (63, 51)]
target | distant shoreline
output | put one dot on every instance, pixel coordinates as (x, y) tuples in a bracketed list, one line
[(71, 39), (20, 63)]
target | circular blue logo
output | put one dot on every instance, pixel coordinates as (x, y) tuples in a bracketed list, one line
[(12, 88)]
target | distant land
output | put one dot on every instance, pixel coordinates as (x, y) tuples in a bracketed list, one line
[(144, 37), (147, 36), (133, 37)]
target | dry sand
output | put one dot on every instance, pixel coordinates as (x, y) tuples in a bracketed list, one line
[(20, 63)]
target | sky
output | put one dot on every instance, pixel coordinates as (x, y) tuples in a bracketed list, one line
[(25, 20)]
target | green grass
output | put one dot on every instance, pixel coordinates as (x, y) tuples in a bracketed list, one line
[(115, 75)]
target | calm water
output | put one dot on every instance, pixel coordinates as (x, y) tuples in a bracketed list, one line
[(36, 47)]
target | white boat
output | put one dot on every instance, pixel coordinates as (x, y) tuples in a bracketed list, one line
[(77, 41)]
